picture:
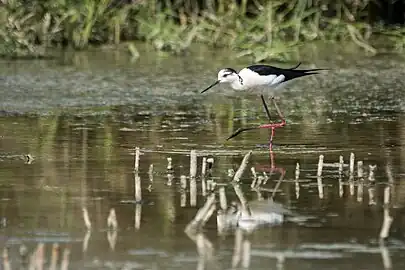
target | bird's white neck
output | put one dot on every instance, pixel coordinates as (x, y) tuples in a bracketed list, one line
[(237, 85)]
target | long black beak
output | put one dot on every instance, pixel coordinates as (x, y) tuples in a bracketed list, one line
[(212, 85)]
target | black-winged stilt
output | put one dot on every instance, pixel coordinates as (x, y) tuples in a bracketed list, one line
[(260, 76)]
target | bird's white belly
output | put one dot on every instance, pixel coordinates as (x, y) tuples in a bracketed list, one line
[(251, 80)]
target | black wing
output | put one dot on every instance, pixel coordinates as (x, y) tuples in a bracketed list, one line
[(289, 73)]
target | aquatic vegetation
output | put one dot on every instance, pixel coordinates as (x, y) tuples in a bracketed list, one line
[(261, 30)]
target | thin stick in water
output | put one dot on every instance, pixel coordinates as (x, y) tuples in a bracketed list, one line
[(319, 177), (136, 162), (297, 177), (351, 174), (193, 191), (183, 194), (387, 221), (203, 181), (371, 188), (252, 169), (320, 166), (242, 167), (193, 163), (138, 191), (222, 198), (150, 174), (341, 163), (351, 166), (169, 164), (360, 185)]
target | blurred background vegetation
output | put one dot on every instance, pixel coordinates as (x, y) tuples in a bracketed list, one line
[(256, 28)]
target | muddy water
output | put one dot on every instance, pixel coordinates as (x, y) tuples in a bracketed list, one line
[(68, 128)]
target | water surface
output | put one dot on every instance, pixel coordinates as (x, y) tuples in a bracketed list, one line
[(80, 116)]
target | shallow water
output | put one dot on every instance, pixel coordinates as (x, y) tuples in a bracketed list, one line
[(81, 115)]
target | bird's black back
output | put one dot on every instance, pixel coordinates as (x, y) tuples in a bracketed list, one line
[(289, 73)]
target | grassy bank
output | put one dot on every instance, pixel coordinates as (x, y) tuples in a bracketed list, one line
[(262, 30)]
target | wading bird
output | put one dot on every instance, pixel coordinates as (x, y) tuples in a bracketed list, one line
[(256, 76)]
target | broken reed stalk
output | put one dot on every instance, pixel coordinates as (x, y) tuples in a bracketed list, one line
[(351, 164), (170, 178), (169, 164), (242, 167), (387, 220), (351, 174), (138, 191), (222, 198), (341, 164), (266, 178), (201, 213), (150, 173), (231, 173), (319, 177), (320, 166), (203, 182), (203, 166), (371, 174), (297, 177), (136, 162), (86, 218), (360, 186), (371, 189), (183, 186), (193, 163), (193, 191), (112, 220), (243, 202)]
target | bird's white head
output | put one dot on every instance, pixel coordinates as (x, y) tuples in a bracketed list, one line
[(226, 75)]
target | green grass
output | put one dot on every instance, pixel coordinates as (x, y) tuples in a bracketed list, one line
[(261, 30)]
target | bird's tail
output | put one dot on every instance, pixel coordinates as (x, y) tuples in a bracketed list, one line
[(307, 71)]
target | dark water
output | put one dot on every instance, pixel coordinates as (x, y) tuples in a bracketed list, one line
[(81, 116)]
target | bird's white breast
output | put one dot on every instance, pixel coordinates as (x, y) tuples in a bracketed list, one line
[(252, 79)]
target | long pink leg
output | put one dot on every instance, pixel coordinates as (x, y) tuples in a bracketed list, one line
[(273, 126)]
